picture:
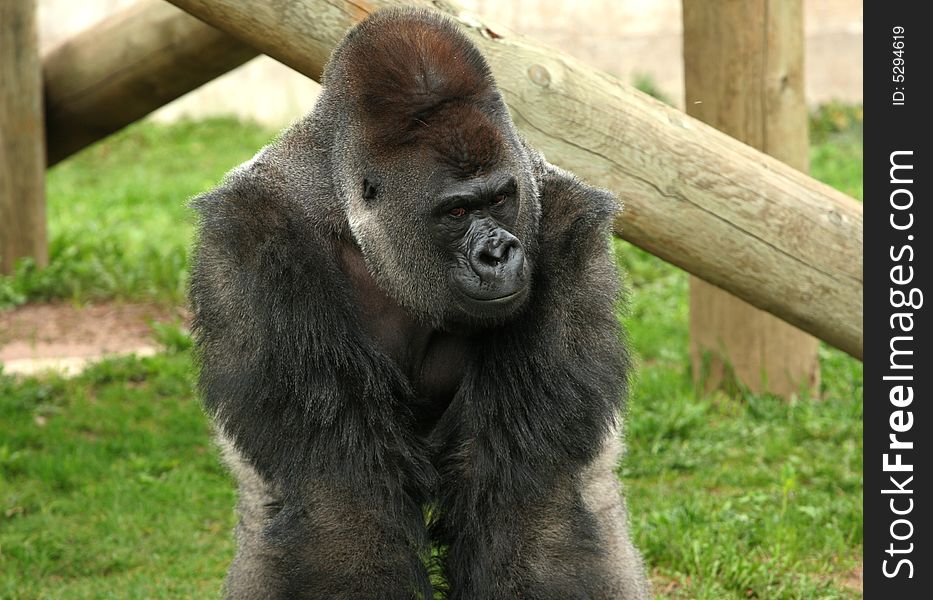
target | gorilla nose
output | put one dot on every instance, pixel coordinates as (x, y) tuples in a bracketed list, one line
[(499, 256), (496, 251)]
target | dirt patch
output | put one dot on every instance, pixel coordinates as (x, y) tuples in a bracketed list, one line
[(853, 580), (665, 586), (65, 336)]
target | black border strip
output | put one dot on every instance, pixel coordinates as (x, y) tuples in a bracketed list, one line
[(898, 267)]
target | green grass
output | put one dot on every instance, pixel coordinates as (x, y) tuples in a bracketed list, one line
[(737, 497), (110, 487), (836, 147), (119, 225)]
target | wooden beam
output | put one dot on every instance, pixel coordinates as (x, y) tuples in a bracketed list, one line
[(743, 65), (697, 198), (22, 156), (126, 66)]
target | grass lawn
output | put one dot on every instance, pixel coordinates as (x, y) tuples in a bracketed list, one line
[(110, 487)]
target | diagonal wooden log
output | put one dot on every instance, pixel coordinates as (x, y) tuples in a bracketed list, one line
[(695, 197), (126, 66)]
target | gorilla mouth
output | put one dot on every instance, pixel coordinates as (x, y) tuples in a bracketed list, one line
[(497, 295), (494, 307), (498, 299)]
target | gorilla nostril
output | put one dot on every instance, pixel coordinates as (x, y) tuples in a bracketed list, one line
[(490, 259), (505, 252)]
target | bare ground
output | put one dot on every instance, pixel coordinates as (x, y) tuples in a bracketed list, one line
[(65, 337)]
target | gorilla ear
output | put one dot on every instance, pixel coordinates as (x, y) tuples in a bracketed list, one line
[(404, 65), (369, 189)]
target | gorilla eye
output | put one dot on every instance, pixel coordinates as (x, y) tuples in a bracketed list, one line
[(499, 199), (369, 190), (457, 212)]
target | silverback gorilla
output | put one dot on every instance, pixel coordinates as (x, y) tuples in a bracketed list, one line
[(407, 340)]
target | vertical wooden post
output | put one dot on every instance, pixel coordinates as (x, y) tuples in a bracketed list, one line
[(743, 63), (22, 151)]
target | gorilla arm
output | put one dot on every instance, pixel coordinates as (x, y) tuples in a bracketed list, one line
[(314, 420), (531, 505)]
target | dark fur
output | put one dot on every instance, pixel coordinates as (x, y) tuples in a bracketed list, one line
[(340, 435)]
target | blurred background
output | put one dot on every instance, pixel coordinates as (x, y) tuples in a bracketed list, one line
[(635, 40), (110, 486)]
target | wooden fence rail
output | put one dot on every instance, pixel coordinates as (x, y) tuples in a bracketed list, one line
[(127, 66)]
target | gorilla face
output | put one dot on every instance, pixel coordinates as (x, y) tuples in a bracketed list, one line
[(472, 221), (450, 248)]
